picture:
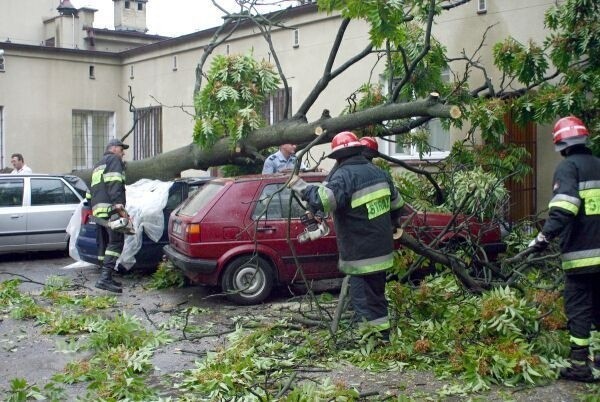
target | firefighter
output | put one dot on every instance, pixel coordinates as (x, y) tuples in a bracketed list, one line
[(107, 200), (371, 147), (574, 217), (360, 196)]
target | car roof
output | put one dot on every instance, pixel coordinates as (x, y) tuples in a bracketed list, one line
[(275, 177)]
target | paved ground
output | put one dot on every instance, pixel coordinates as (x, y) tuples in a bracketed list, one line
[(26, 352)]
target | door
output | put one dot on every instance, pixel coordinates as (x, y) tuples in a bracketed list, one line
[(13, 224), (522, 193), (52, 205), (318, 258)]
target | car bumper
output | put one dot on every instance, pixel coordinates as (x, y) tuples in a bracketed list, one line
[(190, 266)]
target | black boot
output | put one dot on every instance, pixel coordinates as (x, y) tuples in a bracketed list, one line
[(579, 370), (106, 282)]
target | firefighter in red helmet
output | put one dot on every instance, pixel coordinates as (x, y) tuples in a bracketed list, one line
[(574, 218), (361, 197), (371, 147)]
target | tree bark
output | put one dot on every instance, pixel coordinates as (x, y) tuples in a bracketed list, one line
[(170, 164)]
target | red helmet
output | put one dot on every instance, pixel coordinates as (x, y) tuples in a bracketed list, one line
[(371, 147), (569, 131), (345, 144)]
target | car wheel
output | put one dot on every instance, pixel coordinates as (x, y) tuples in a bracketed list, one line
[(247, 280)]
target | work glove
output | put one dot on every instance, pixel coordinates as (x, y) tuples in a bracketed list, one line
[(539, 243), (297, 184)]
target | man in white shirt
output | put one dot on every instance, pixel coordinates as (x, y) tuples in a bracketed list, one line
[(19, 165)]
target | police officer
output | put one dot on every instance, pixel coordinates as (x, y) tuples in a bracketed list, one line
[(360, 196), (574, 217), (108, 199), (284, 159)]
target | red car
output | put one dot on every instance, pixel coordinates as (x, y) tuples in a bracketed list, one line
[(234, 233)]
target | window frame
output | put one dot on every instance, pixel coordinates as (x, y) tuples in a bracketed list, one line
[(147, 133), (481, 6), (87, 141)]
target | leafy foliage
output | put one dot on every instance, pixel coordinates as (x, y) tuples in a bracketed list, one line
[(230, 103), (166, 276)]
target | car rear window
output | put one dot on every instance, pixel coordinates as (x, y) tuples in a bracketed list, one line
[(200, 199)]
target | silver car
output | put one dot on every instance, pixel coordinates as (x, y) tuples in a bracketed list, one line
[(35, 210)]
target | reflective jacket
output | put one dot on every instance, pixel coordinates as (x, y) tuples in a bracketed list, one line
[(108, 185), (575, 211), (360, 196)]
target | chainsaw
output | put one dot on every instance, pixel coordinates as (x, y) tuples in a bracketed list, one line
[(315, 226), (119, 222)]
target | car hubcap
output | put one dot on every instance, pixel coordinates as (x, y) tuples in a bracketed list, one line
[(249, 280)]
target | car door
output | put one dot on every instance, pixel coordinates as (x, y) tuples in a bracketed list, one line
[(52, 204), (13, 224), (318, 258)]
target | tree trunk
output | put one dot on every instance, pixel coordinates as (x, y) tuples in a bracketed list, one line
[(170, 164)]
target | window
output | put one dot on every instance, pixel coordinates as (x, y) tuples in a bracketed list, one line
[(273, 207), (91, 131), (11, 193), (481, 6), (131, 76), (175, 63), (92, 72), (273, 107), (2, 60), (438, 139), (296, 38), (126, 4), (147, 134), (51, 192), (140, 6)]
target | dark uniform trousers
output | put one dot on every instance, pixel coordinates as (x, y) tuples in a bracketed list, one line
[(367, 293), (110, 246), (582, 303)]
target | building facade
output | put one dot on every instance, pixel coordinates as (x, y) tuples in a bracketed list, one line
[(64, 84)]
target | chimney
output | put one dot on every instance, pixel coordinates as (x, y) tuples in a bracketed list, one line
[(66, 8)]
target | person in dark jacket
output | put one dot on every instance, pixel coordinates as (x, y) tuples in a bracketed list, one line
[(574, 217), (107, 200), (361, 197)]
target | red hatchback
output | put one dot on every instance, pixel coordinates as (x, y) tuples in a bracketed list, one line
[(234, 233)]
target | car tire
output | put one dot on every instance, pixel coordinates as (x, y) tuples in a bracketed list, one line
[(247, 280)]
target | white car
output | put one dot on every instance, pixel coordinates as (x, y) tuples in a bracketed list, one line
[(35, 210)]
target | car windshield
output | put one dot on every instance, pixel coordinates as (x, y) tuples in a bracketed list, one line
[(200, 199)]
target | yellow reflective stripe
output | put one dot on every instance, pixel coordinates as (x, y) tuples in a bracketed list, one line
[(101, 210), (327, 199), (367, 265), (567, 206), (113, 253), (580, 263), (373, 195), (378, 324), (101, 258), (97, 175), (580, 341), (113, 176)]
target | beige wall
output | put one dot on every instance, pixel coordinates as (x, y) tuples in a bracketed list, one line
[(23, 20), (38, 95)]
